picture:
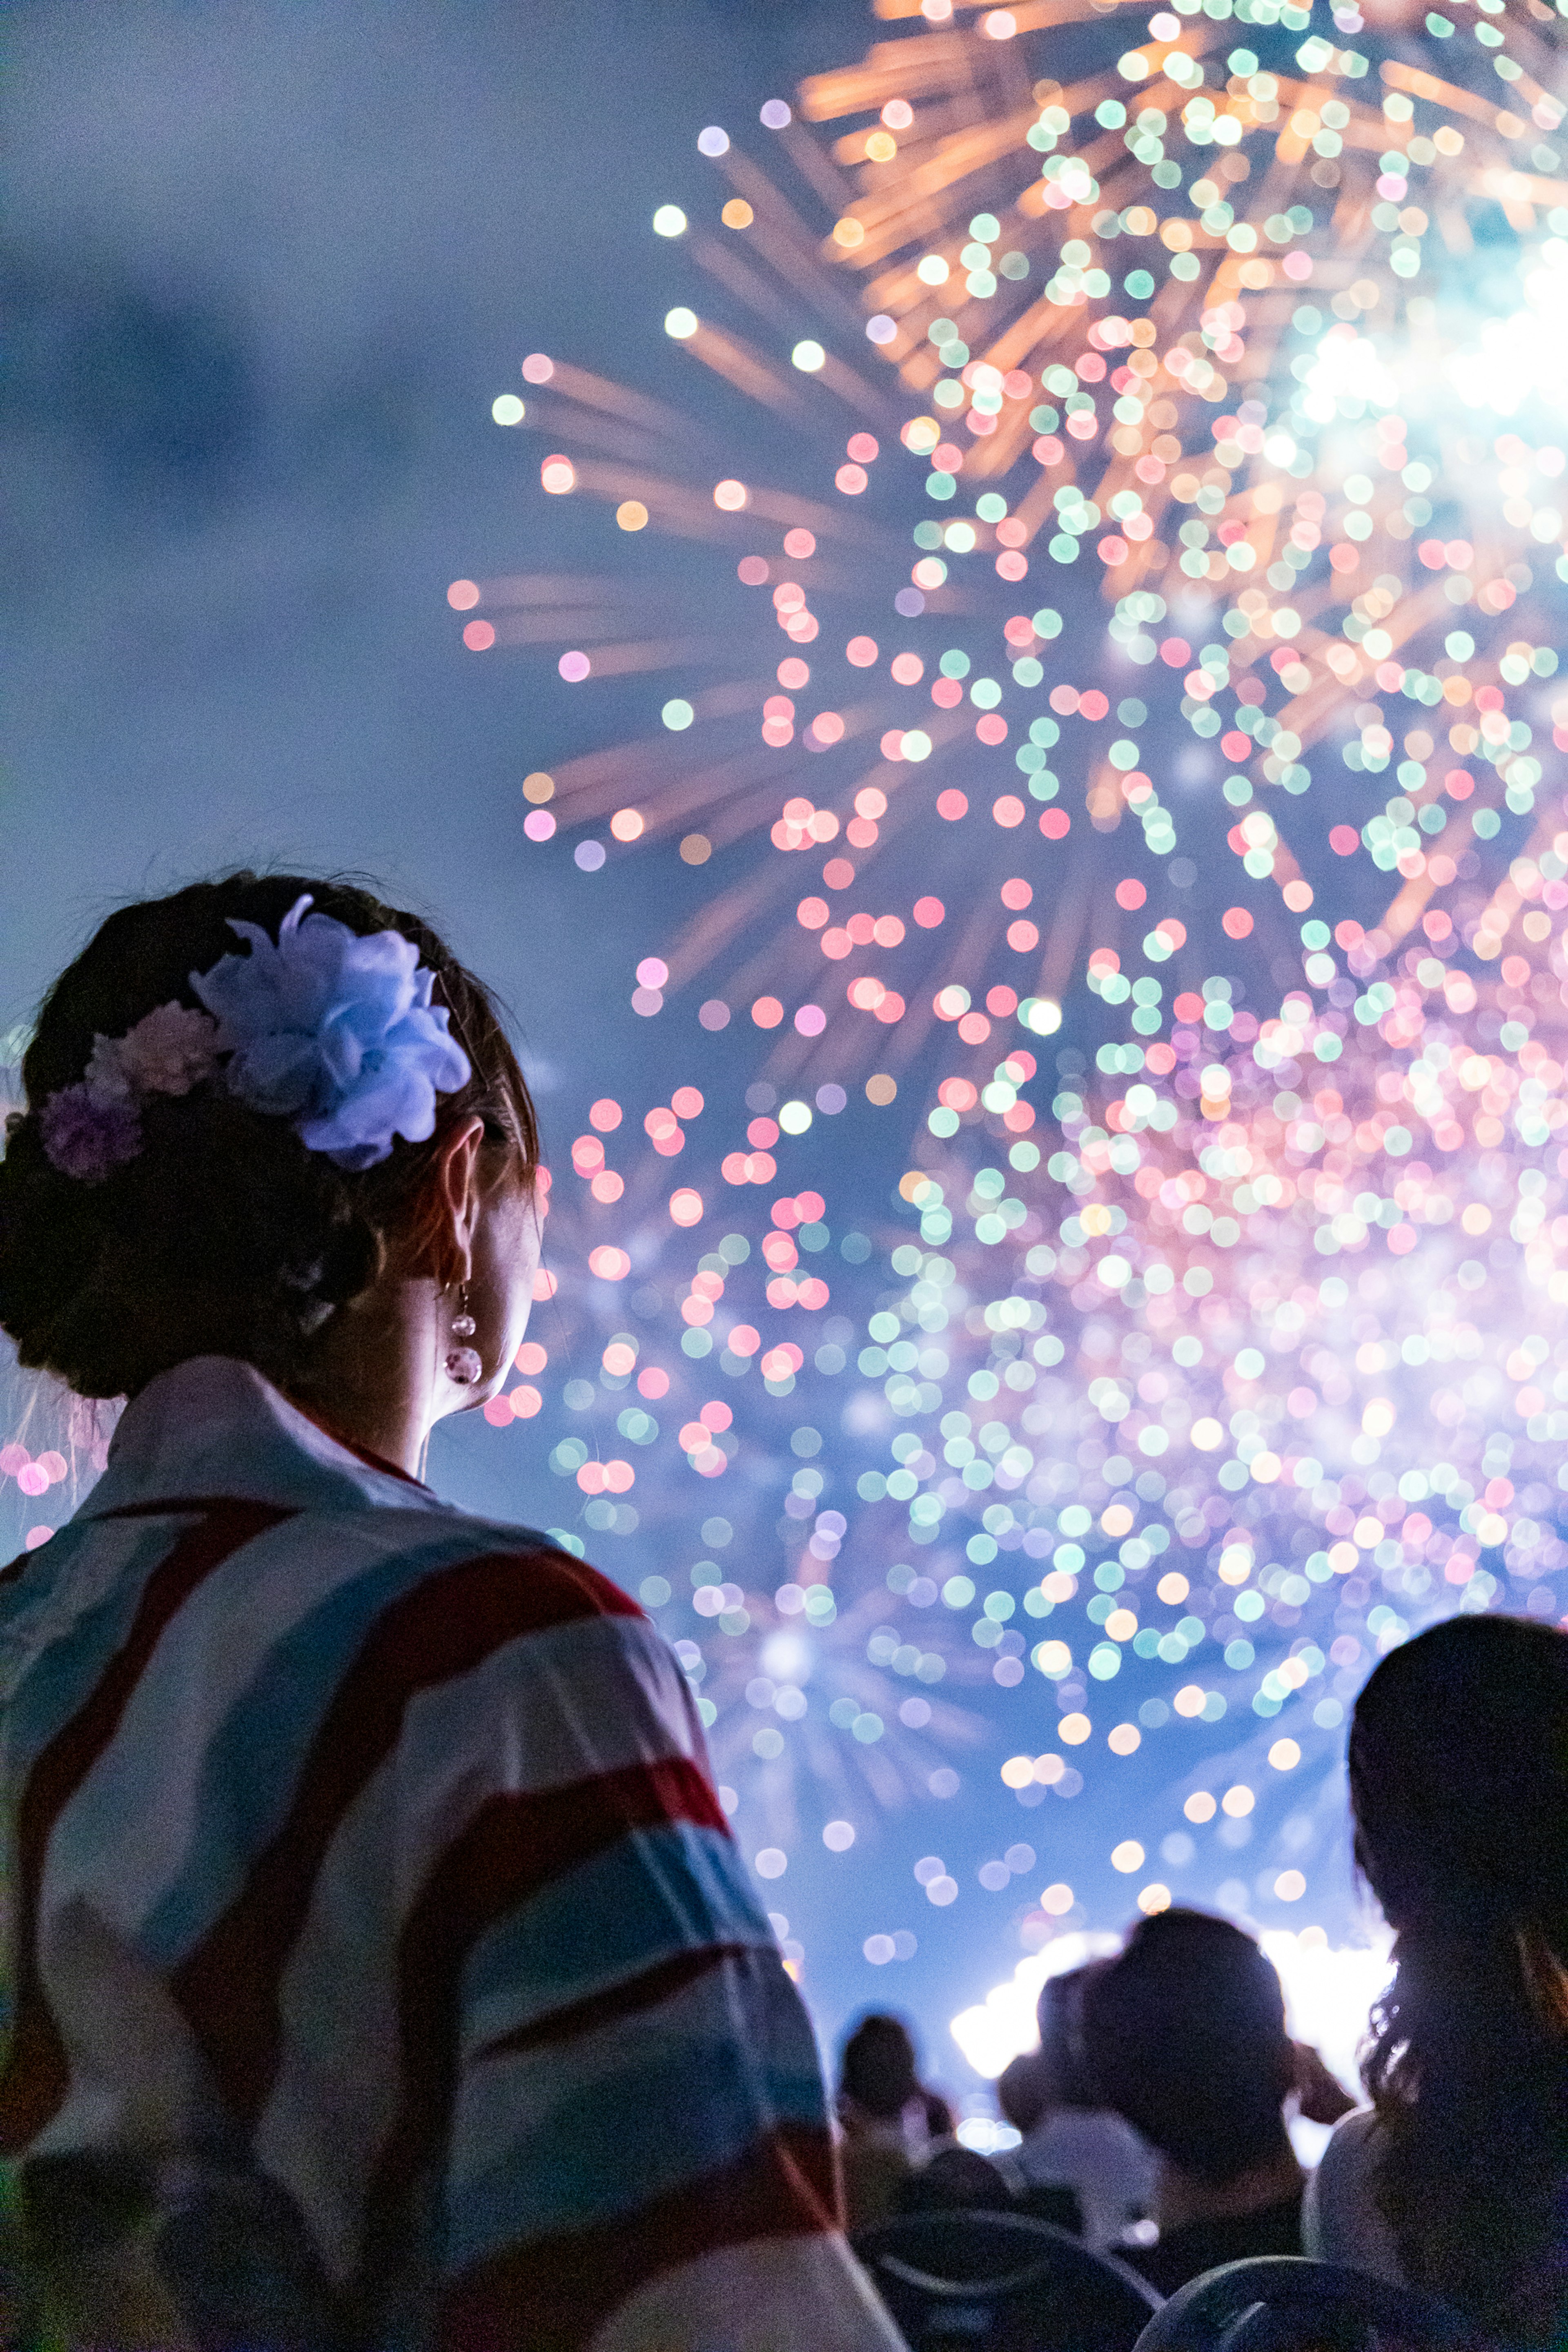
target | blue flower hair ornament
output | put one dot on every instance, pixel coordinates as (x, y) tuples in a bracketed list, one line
[(333, 1029)]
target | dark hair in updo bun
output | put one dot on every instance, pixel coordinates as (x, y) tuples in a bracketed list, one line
[(224, 1235)]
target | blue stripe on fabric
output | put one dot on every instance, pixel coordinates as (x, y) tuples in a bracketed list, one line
[(702, 2079), (654, 1894), (253, 1759), (63, 1676)]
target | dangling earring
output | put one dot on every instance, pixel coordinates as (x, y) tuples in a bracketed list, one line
[(464, 1364)]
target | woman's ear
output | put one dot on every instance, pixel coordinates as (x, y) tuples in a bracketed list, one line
[(455, 1182)]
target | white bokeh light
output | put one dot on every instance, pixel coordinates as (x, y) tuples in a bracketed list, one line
[(1523, 356), (1346, 366)]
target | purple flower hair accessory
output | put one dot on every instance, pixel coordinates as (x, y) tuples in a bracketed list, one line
[(86, 1136), (92, 1128)]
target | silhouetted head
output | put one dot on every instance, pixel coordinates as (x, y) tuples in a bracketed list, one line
[(955, 2180), (1059, 2015), (1024, 2091), (1459, 1770), (878, 2066), (1185, 2035)]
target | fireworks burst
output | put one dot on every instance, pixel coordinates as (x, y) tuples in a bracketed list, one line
[(1171, 1364), (1295, 531)]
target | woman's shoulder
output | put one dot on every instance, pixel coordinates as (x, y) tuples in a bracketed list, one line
[(1353, 2150), (521, 1580), (537, 1559), (1342, 2221)]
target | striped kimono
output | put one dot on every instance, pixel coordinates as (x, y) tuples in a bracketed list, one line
[(383, 1972)]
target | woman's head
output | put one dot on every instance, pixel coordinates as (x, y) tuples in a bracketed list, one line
[(221, 1232), (1458, 1767), (1459, 1770)]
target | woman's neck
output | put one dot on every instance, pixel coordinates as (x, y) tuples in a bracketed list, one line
[(372, 1378), (1180, 2196)]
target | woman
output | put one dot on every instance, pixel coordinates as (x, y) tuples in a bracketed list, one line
[(383, 1971), (1457, 2178)]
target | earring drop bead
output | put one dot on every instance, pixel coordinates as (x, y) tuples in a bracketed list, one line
[(464, 1365)]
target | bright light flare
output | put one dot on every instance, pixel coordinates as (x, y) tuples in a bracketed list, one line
[(1523, 357), (1002, 2027)]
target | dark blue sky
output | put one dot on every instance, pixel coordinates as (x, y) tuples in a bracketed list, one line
[(270, 265)]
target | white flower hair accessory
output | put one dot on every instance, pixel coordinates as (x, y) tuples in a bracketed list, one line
[(328, 1027), (170, 1051)]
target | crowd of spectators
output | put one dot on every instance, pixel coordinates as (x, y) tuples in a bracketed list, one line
[(1153, 2119)]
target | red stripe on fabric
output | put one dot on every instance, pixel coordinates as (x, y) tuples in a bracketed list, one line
[(554, 2293), (36, 2072), (172, 1506), (451, 1622), (513, 1846), (621, 2001)]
